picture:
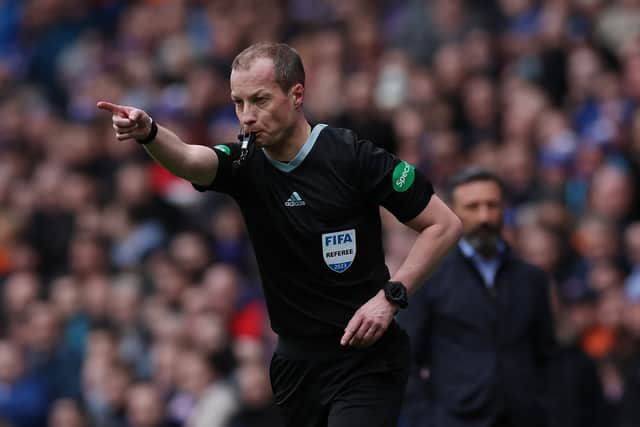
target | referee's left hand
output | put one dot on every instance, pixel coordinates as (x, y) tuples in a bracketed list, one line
[(369, 323)]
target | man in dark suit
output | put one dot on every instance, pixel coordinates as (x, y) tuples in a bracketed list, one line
[(481, 327)]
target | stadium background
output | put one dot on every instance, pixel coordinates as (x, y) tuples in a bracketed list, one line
[(128, 298)]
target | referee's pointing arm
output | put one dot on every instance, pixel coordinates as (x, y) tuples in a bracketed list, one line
[(195, 163)]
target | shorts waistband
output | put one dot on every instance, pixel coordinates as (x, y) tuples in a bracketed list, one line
[(326, 346)]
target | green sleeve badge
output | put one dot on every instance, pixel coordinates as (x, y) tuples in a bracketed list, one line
[(403, 176), (225, 149)]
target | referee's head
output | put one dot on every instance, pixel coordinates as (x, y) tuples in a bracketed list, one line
[(287, 64), (267, 88)]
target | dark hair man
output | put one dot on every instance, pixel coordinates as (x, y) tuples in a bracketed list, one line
[(482, 324), (310, 199)]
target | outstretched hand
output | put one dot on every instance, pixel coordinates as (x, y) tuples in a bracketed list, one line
[(128, 122), (370, 322)]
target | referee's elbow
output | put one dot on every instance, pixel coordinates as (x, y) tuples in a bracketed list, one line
[(454, 228)]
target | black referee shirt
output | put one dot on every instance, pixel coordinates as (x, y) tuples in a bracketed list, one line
[(315, 226)]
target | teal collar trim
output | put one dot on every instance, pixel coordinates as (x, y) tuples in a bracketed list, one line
[(302, 154)]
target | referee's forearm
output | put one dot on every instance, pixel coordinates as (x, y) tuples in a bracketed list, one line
[(426, 253), (194, 163)]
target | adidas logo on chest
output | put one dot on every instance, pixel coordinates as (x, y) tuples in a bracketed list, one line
[(294, 200)]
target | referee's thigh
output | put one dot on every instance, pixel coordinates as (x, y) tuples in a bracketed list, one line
[(373, 400), (296, 392)]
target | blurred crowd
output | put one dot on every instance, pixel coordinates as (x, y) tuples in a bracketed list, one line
[(128, 299)]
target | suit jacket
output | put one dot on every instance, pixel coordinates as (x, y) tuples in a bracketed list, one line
[(488, 351)]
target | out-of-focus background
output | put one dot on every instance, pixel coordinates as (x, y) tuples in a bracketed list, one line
[(130, 299)]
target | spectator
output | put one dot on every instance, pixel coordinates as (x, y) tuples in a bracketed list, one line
[(576, 381), (19, 291), (47, 356), (144, 407), (202, 399), (611, 194), (222, 289), (632, 246), (24, 401), (360, 114), (66, 413), (164, 367), (256, 403), (125, 305)]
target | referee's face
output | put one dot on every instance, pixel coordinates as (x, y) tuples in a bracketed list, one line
[(261, 104)]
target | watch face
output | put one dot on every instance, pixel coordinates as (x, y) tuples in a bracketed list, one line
[(396, 290), (396, 293)]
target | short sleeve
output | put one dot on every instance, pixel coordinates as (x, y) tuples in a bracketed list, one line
[(390, 182), (224, 180)]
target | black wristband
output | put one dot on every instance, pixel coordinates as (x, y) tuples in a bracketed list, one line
[(151, 136)]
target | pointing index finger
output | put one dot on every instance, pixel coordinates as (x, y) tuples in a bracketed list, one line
[(113, 108)]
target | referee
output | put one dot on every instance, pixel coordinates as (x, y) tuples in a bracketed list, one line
[(310, 197)]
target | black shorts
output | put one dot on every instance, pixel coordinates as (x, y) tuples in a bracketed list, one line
[(341, 387)]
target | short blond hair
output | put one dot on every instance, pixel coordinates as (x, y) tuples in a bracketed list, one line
[(287, 63)]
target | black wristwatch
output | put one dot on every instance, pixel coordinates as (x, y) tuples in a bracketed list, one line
[(152, 134), (396, 293)]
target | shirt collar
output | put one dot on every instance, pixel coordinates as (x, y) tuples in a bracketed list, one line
[(470, 252), (302, 154)]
